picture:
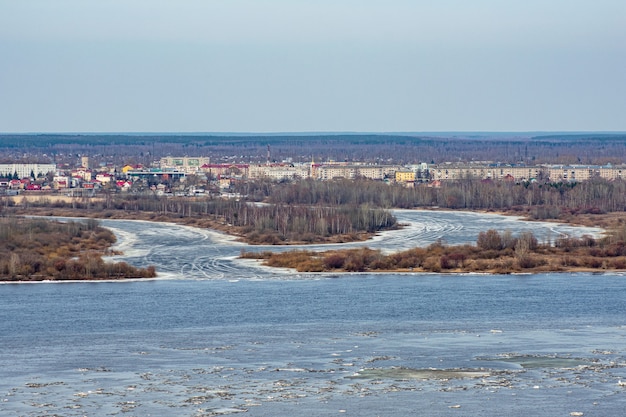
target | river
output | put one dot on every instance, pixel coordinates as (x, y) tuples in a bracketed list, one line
[(215, 335)]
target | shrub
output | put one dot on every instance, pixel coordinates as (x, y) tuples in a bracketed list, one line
[(569, 261), (477, 265), (616, 249), (334, 261), (312, 265), (592, 262), (445, 262), (451, 261), (432, 264), (384, 263), (619, 263), (530, 262), (489, 240), (354, 263), (409, 262), (489, 254), (505, 266)]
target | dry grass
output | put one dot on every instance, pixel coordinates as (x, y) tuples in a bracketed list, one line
[(576, 255)]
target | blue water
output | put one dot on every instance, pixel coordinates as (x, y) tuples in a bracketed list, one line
[(159, 344), (227, 337)]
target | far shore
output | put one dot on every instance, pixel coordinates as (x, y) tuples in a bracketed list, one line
[(605, 221)]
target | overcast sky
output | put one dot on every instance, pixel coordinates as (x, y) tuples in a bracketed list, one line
[(314, 65)]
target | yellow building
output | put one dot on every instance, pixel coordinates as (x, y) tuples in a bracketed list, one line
[(405, 176), (612, 173)]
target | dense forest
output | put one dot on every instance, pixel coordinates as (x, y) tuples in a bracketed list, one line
[(403, 148), (39, 249)]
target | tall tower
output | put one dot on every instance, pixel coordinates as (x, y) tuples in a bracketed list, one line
[(84, 161)]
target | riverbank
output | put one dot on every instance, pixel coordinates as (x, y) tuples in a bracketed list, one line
[(607, 221), (494, 253), (42, 250)]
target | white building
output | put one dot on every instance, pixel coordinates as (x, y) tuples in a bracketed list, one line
[(25, 170), (186, 164), (279, 172)]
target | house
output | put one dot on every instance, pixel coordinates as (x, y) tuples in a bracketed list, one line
[(124, 185), (104, 178), (225, 182), (90, 185), (62, 181), (82, 173)]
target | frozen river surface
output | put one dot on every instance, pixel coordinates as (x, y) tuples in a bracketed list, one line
[(191, 253), (223, 337)]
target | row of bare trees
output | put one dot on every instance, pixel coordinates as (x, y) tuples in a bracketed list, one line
[(547, 200), (264, 223)]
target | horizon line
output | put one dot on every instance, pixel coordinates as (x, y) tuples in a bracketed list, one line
[(319, 133)]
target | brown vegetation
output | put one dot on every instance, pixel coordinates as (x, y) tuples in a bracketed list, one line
[(254, 223), (494, 253), (39, 249)]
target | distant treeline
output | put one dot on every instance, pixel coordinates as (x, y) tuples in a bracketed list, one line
[(38, 249), (380, 148)]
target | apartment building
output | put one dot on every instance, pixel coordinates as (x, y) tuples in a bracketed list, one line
[(186, 164), (610, 172), (217, 170), (25, 170), (405, 176), (329, 172), (278, 171), (373, 172), (452, 172), (491, 171), (571, 173)]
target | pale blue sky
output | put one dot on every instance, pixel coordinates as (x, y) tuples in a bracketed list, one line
[(318, 65)]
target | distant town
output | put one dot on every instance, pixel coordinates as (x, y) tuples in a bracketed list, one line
[(195, 175)]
